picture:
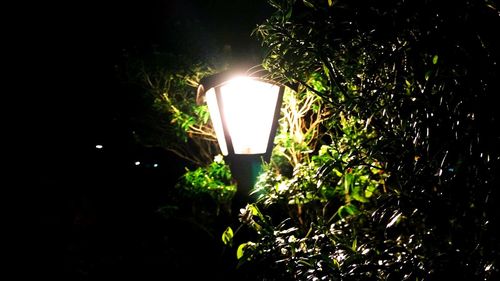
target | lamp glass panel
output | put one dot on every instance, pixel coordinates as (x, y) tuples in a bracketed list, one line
[(213, 109), (249, 107)]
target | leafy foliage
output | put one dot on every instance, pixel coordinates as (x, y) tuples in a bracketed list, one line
[(174, 121), (169, 89), (214, 181), (402, 186)]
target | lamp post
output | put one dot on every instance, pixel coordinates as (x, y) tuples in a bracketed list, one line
[(244, 110)]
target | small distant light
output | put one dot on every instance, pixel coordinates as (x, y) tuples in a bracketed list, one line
[(137, 163), (99, 146), (155, 165)]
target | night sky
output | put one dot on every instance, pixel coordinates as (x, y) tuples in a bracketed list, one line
[(88, 212)]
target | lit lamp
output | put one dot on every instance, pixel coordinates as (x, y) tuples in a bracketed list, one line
[(244, 110)]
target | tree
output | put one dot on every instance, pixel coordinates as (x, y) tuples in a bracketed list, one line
[(403, 186)]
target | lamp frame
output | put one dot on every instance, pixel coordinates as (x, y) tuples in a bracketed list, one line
[(216, 81)]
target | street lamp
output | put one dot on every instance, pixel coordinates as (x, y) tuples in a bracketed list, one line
[(244, 110)]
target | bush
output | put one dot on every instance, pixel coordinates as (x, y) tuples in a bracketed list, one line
[(401, 184)]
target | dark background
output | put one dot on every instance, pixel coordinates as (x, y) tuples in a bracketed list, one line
[(88, 213)]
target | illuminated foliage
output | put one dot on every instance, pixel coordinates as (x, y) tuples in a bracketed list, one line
[(173, 121), (214, 181), (401, 182)]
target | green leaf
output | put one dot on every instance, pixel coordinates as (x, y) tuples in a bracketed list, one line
[(435, 59), (256, 211), (337, 172), (369, 190), (241, 250), (357, 196), (350, 209), (289, 14), (227, 236), (427, 75), (395, 219), (325, 69), (354, 244), (308, 4), (348, 178), (256, 226)]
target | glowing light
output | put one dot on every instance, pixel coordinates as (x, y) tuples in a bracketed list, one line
[(137, 163), (213, 108), (155, 165), (248, 107), (99, 146)]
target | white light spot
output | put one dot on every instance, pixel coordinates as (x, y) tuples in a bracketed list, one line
[(99, 146), (155, 165), (249, 107), (137, 163), (218, 158)]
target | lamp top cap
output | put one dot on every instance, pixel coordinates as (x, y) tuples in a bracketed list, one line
[(214, 80), (256, 72)]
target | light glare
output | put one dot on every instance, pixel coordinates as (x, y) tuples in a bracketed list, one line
[(249, 107)]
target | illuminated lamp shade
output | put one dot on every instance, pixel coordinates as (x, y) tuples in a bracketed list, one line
[(244, 112)]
